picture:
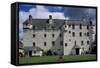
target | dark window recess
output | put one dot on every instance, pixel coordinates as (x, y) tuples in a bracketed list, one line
[(65, 30), (73, 34), (60, 35), (75, 42), (82, 48), (53, 35), (34, 52), (65, 26), (65, 44), (33, 43), (69, 39), (69, 26), (80, 26), (53, 43), (69, 32), (80, 34), (87, 42), (61, 43), (53, 27), (87, 26), (82, 42), (87, 33), (33, 35), (89, 48), (44, 43), (45, 35), (73, 26)]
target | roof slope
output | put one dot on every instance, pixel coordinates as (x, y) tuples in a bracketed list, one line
[(39, 24)]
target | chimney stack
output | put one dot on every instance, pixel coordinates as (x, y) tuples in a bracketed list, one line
[(50, 19), (50, 16), (30, 17)]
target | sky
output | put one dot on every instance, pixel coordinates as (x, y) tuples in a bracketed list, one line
[(57, 12)]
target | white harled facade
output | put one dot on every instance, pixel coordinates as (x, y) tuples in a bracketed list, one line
[(67, 38)]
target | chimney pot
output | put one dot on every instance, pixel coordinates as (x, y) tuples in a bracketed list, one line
[(50, 16)]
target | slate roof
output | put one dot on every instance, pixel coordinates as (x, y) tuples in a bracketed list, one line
[(57, 23)]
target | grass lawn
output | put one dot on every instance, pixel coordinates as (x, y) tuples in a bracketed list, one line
[(44, 59)]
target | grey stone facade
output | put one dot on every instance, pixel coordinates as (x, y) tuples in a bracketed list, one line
[(61, 37)]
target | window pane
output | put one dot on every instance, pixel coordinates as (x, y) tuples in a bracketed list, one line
[(87, 27), (44, 43), (80, 26), (33, 43), (73, 34), (80, 34), (33, 35), (61, 43), (87, 33), (45, 35), (87, 42), (53, 43), (65, 44), (82, 42), (53, 35)]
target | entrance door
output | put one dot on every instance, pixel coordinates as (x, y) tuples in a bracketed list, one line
[(77, 51), (30, 53)]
